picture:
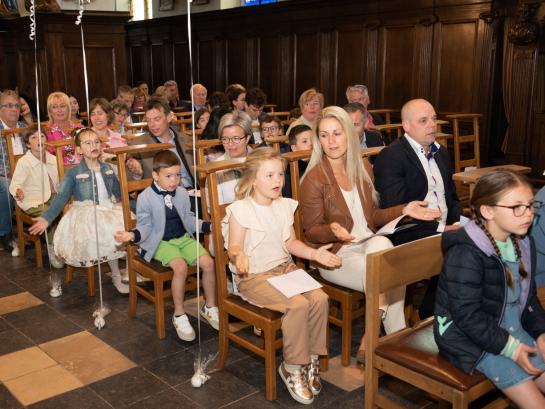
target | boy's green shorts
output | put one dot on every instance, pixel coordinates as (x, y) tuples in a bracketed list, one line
[(182, 247)]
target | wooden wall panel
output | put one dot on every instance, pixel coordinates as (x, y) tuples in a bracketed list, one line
[(60, 58), (182, 73), (237, 61), (270, 67), (306, 62), (397, 57), (206, 68), (349, 61), (140, 66), (456, 64), (101, 76)]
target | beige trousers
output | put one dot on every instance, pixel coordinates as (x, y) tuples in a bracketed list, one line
[(304, 325)]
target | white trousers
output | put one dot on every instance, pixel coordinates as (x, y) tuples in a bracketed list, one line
[(352, 275)]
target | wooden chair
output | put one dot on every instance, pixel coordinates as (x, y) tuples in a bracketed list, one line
[(231, 305), (389, 128), (411, 355), (386, 113), (269, 108), (153, 270), (282, 115), (276, 142), (183, 114), (471, 138), (183, 125), (61, 169), (136, 127), (21, 218)]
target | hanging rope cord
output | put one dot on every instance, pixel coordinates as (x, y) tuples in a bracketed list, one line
[(79, 23), (33, 36), (195, 197)]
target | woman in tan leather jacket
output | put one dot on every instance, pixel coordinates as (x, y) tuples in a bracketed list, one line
[(339, 205)]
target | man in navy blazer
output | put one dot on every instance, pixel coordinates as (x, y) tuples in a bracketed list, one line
[(368, 138), (416, 167)]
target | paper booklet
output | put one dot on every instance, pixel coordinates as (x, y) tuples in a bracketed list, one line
[(398, 224), (296, 282)]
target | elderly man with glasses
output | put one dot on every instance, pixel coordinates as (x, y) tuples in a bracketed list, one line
[(10, 110)]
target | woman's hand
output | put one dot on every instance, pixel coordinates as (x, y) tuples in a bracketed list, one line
[(521, 357), (419, 210), (326, 258), (39, 226), (340, 232)]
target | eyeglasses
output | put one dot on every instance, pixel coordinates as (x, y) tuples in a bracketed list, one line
[(11, 106), (520, 210), (121, 113), (253, 108), (270, 128), (235, 139)]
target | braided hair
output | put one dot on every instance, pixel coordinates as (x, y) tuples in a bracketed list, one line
[(487, 192)]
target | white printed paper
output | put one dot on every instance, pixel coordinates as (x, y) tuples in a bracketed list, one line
[(296, 282)]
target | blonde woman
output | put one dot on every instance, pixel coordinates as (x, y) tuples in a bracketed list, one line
[(61, 125), (339, 205)]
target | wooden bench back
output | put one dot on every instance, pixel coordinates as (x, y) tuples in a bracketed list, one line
[(9, 135), (130, 188)]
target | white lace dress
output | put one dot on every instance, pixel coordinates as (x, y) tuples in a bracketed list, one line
[(75, 237)]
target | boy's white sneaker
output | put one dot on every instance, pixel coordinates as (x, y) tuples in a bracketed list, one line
[(211, 314), (183, 327)]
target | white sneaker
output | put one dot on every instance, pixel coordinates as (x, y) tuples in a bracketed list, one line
[(119, 286), (125, 277), (183, 327), (15, 247), (212, 316)]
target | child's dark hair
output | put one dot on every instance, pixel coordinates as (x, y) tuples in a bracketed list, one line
[(31, 130), (165, 159), (267, 119), (296, 130), (488, 192), (79, 132)]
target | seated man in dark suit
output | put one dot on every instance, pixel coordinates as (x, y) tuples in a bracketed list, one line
[(416, 167), (368, 138), (158, 116)]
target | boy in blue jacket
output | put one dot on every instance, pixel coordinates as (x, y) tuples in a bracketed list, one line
[(164, 231)]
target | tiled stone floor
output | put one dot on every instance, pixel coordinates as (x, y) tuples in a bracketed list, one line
[(51, 356)]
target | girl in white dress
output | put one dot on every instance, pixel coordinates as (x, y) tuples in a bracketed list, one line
[(90, 183)]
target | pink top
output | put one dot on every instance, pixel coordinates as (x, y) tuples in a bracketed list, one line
[(115, 140), (69, 155)]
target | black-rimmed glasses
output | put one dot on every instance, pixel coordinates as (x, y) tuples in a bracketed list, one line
[(520, 209)]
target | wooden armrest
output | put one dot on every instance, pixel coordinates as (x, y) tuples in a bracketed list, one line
[(212, 167), (182, 121), (150, 147), (371, 151), (463, 116), (298, 155), (277, 139), (204, 143), (58, 144), (6, 132), (382, 111), (387, 127)]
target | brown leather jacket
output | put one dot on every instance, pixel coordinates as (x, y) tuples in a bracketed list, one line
[(322, 203)]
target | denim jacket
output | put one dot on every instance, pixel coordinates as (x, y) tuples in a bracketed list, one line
[(78, 181)]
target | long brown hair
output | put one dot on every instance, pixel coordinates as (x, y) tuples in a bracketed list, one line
[(488, 191)]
